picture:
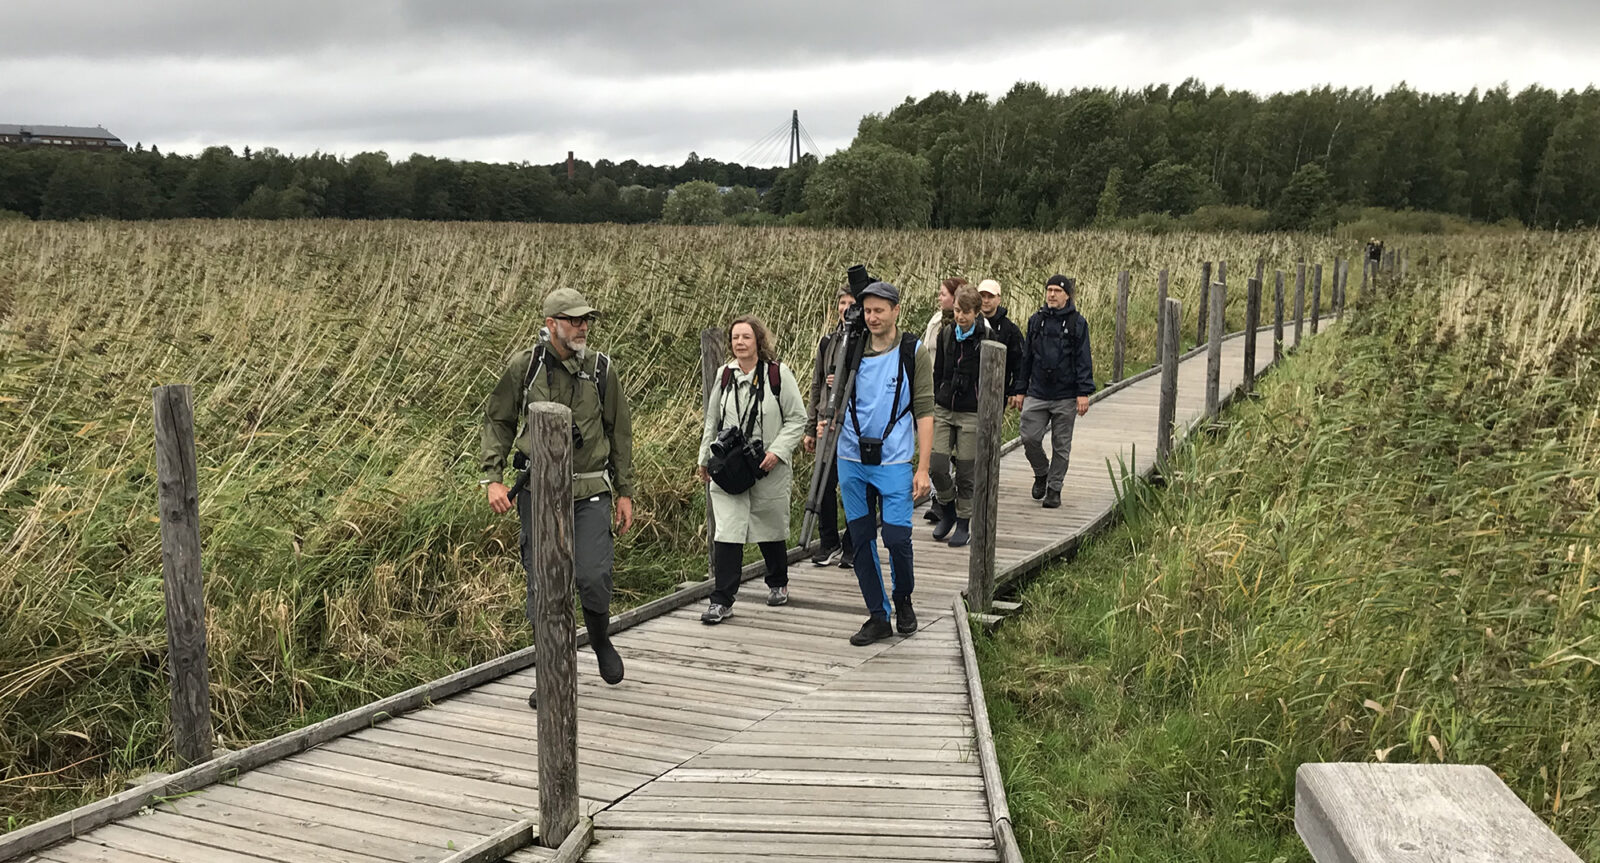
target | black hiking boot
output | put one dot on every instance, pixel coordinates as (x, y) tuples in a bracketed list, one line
[(605, 655), (963, 533), (1052, 499), (873, 630), (1039, 486), (905, 620)]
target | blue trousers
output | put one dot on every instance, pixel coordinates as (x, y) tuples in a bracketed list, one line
[(893, 484)]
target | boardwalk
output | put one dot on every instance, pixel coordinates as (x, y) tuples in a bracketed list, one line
[(766, 738)]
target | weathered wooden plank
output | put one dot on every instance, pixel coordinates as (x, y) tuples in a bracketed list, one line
[(1429, 813)]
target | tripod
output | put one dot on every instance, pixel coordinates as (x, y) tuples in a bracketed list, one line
[(854, 331)]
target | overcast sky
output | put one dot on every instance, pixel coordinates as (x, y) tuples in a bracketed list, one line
[(515, 80)]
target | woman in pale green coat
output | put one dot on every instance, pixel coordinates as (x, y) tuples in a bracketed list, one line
[(753, 381)]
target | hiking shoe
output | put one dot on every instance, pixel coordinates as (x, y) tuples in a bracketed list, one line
[(871, 631), (1039, 486), (962, 534), (847, 559), (827, 556), (533, 700), (947, 521), (778, 596), (1052, 498), (905, 620), (715, 613)]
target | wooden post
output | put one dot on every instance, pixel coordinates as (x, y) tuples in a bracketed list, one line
[(1366, 271), (178, 490), (1405, 262), (1341, 276), (1277, 318), (555, 659), (1205, 303), (1299, 300), (1252, 321), (1161, 313), (1121, 347), (1172, 319), (1316, 298), (1222, 279), (1261, 271), (711, 354), (986, 476), (1219, 297)]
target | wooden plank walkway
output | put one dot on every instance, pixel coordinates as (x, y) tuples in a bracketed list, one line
[(767, 738)]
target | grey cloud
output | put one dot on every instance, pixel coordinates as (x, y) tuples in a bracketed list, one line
[(645, 35)]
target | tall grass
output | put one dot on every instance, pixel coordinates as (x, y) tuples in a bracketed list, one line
[(1393, 555), (339, 373)]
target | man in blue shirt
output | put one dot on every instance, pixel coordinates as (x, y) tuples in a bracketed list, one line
[(887, 423)]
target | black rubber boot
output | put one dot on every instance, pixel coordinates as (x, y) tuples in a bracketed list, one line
[(533, 700), (947, 520), (962, 533), (600, 639), (1052, 498)]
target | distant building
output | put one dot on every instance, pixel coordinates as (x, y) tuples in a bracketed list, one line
[(76, 137)]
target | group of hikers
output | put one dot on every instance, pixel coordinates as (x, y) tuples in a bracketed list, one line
[(906, 431)]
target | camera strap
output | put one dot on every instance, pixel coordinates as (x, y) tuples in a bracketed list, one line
[(895, 410), (745, 417)]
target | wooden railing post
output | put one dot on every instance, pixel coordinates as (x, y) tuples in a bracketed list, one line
[(1277, 318), (178, 490), (1205, 304), (986, 476), (1299, 300), (1219, 299), (1405, 262), (1120, 350), (1252, 321), (711, 354), (1222, 279), (1161, 312), (555, 660), (1366, 272), (1341, 270), (1316, 299), (1172, 319)]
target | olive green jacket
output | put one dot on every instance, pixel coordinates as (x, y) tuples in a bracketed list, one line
[(607, 430)]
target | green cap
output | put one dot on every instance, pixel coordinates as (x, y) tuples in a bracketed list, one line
[(568, 302)]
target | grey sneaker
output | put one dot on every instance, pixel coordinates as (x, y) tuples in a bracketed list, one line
[(827, 556), (715, 613), (778, 596)]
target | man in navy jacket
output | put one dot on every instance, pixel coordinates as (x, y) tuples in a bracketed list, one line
[(1058, 375)]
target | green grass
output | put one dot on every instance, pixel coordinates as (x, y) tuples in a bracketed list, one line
[(1393, 554)]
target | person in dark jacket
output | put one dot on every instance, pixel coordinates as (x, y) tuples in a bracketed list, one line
[(835, 548), (1058, 376), (1008, 333), (955, 415)]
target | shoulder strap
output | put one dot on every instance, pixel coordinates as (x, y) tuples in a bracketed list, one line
[(533, 368)]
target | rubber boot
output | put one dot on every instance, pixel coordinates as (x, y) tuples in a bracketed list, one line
[(947, 520), (600, 639), (962, 533)]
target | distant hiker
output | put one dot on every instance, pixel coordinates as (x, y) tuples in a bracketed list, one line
[(834, 548), (757, 401), (1058, 376), (941, 315), (1010, 334), (1375, 252), (930, 338), (887, 423), (564, 370), (955, 415)]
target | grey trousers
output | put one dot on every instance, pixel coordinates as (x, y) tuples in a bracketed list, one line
[(955, 445), (1059, 416), (591, 551)]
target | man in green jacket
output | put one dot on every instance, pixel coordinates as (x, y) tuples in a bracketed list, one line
[(564, 370)]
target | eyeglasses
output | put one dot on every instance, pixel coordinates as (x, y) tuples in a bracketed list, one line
[(585, 320)]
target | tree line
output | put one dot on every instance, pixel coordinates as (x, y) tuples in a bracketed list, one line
[(1208, 158), (49, 183)]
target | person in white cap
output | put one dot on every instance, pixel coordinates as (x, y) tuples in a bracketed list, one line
[(1010, 334)]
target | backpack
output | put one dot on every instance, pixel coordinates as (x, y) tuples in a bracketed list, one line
[(1066, 333), (908, 369), (774, 381), (602, 371)]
